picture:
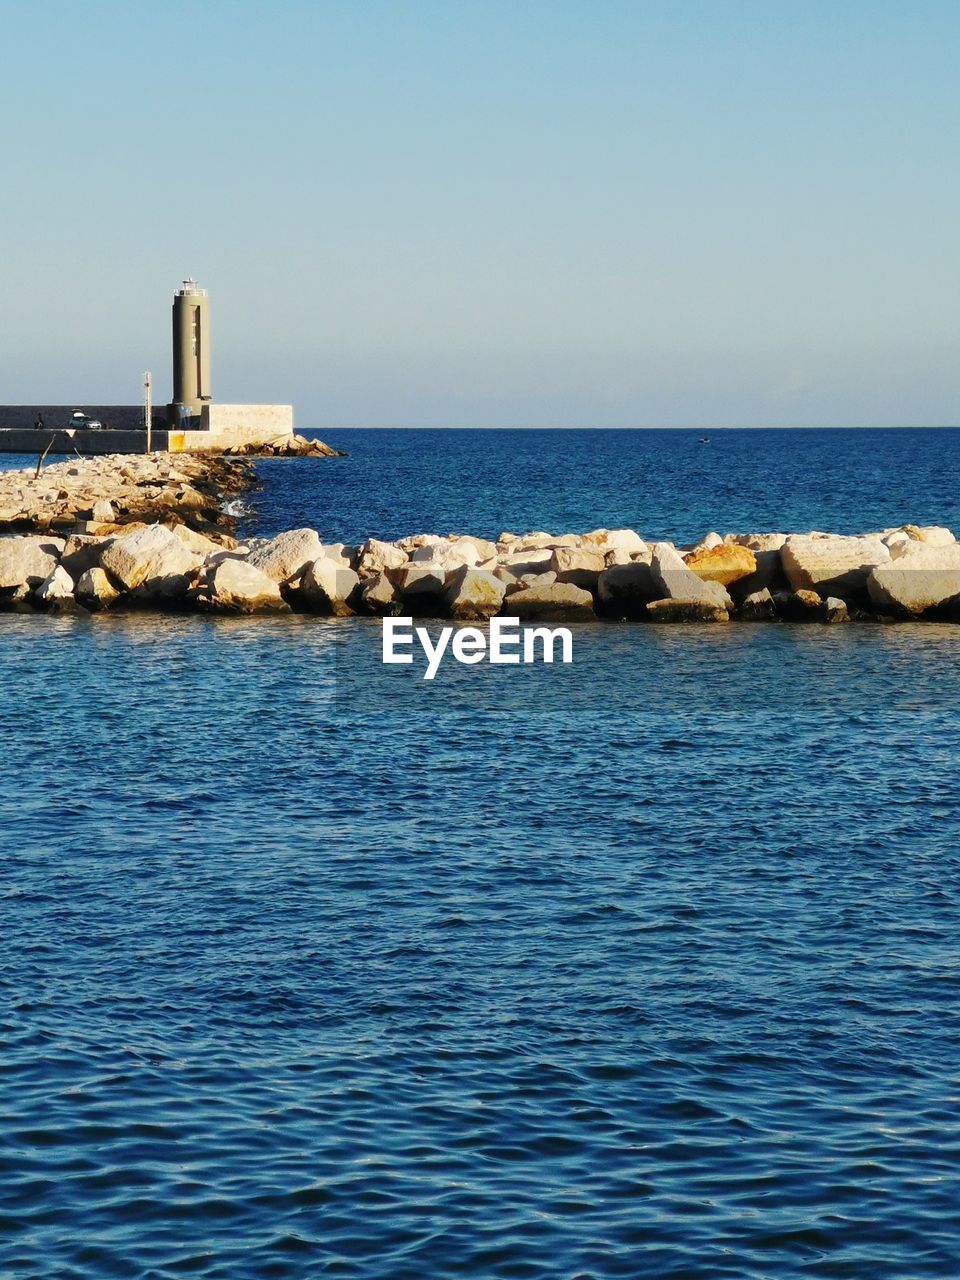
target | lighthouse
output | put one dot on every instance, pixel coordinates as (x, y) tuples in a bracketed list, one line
[(191, 351)]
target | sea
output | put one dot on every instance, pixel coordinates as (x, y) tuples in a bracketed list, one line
[(646, 966)]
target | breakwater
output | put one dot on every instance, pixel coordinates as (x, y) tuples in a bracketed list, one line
[(187, 561)]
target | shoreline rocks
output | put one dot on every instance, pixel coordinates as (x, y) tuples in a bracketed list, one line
[(106, 493), (908, 573)]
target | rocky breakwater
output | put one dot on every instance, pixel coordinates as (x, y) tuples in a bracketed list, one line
[(294, 446), (903, 573), (102, 495)]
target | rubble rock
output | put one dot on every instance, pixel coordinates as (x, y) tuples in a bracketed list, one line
[(558, 602), (287, 554), (832, 565), (473, 594), (677, 582)]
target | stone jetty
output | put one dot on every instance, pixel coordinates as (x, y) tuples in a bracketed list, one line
[(174, 563), (101, 495)]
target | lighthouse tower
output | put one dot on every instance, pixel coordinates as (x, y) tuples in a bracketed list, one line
[(191, 351)]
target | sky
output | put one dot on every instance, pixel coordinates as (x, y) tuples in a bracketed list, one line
[(612, 213)]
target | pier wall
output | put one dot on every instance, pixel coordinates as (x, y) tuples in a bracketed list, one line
[(221, 426)]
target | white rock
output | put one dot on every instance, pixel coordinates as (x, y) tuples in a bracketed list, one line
[(528, 560), (423, 579), (473, 594), (58, 586), (325, 587), (151, 558), (558, 601), (831, 565), (706, 543), (537, 541), (95, 590), (451, 555), (343, 555), (677, 582), (236, 586), (626, 542), (287, 554), (931, 534), (528, 580), (924, 576), (578, 565), (379, 596), (103, 512), (758, 541), (485, 549), (412, 542), (197, 541), (377, 557), (25, 563)]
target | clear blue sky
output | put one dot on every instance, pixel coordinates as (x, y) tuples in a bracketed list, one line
[(486, 213)]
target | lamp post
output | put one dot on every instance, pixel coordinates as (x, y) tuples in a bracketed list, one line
[(147, 411)]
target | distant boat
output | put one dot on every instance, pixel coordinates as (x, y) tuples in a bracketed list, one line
[(704, 439)]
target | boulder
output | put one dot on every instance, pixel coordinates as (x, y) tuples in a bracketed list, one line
[(933, 535), (832, 565), (923, 578), (473, 594), (537, 541), (95, 590), (757, 607), (624, 591), (451, 555), (557, 602), (236, 586), (834, 610), (55, 588), (25, 563), (103, 512), (200, 543), (685, 611), (148, 557), (758, 541), (287, 554), (484, 549), (578, 565), (723, 562), (82, 552), (342, 555), (768, 576), (534, 580), (622, 544), (707, 543), (798, 606), (412, 542), (895, 540), (527, 560), (377, 557), (378, 596), (421, 586), (325, 588), (676, 582), (425, 578)]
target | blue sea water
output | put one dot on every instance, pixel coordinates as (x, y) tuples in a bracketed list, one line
[(662, 483), (642, 967)]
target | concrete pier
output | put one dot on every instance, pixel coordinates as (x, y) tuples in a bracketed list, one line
[(219, 427)]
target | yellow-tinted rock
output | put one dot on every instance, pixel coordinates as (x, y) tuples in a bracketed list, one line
[(724, 564)]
